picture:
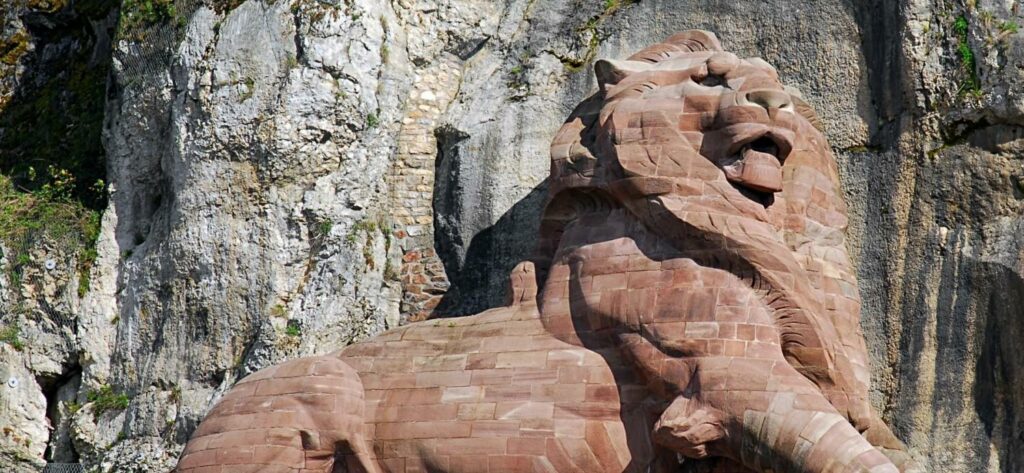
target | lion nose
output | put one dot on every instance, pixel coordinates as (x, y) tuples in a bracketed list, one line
[(769, 98)]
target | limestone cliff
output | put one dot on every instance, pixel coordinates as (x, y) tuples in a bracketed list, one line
[(284, 177)]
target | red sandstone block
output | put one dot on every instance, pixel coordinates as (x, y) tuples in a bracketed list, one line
[(300, 420), (615, 265), (763, 350), (416, 396), (714, 379), (199, 459), (588, 410), (237, 438), (566, 357), (601, 394), (585, 374), (492, 376), (388, 380), (294, 368), (609, 282), (581, 454), (604, 447), (483, 331), (477, 361), (735, 348), (284, 437), (701, 330), (410, 348), (466, 463), (323, 403), (535, 376), (645, 280), (524, 410), (537, 428), (394, 465), (439, 363), (733, 296), (462, 394), (401, 448), (463, 347), (234, 455), (471, 446), (813, 402), (323, 460), (726, 331), (526, 446), (569, 427), (360, 363), (374, 396), (276, 455), (746, 332), (256, 469), (559, 392), (443, 378), (731, 314), (201, 469), (495, 428), (715, 347), (525, 359), (509, 463), (416, 413), (476, 411), (765, 333), (508, 343), (422, 430), (643, 263), (506, 393), (274, 387)]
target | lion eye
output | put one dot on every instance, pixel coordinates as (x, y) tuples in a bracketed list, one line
[(713, 80)]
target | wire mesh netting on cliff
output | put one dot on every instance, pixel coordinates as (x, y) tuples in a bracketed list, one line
[(63, 468), (148, 34)]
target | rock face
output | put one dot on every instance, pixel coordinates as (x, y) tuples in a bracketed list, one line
[(255, 149)]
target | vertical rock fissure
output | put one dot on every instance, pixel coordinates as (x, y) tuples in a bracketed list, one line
[(61, 393)]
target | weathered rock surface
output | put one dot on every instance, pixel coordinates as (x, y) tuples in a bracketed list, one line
[(255, 215)]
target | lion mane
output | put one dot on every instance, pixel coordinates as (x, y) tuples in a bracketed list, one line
[(666, 136)]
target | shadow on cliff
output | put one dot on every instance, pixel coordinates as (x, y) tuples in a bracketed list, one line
[(999, 386), (53, 121), (479, 280)]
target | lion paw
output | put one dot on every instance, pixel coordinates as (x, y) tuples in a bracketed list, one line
[(688, 428)]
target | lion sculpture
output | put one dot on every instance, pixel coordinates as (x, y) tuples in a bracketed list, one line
[(691, 307)]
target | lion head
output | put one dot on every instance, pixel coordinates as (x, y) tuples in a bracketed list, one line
[(686, 114), (716, 155)]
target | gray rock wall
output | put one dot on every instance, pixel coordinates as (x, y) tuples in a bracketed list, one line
[(254, 210)]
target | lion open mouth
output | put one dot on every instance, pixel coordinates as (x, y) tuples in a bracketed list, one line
[(756, 168)]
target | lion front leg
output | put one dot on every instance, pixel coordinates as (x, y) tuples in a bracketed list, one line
[(765, 415), (303, 415)]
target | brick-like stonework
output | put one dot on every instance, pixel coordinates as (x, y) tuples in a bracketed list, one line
[(691, 298), (423, 277)]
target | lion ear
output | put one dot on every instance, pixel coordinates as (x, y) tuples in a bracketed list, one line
[(611, 72)]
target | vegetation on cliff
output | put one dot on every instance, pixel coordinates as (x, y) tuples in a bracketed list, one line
[(52, 161)]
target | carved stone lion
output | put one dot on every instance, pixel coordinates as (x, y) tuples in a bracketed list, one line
[(691, 299)]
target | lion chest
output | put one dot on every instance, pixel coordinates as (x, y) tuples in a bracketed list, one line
[(497, 392)]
